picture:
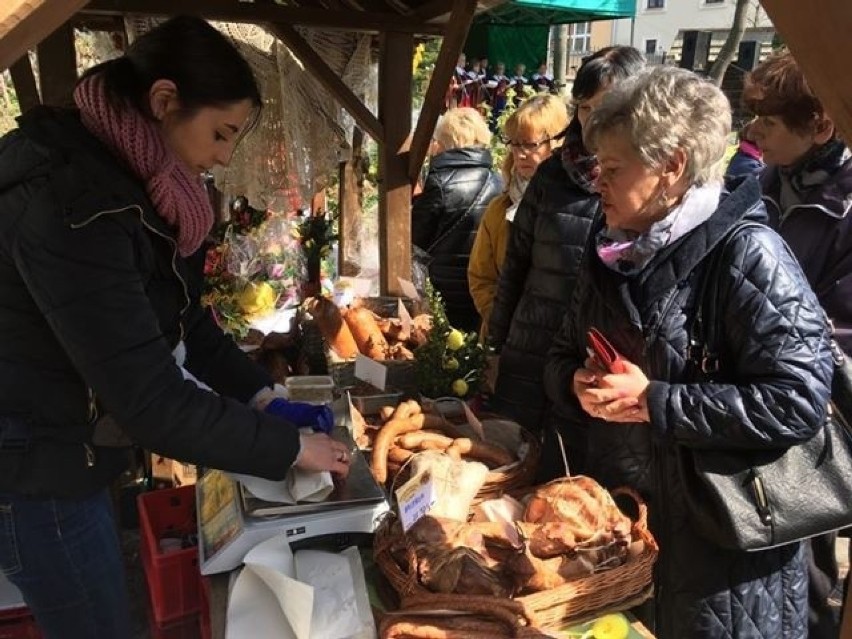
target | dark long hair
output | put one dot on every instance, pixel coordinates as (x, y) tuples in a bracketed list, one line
[(204, 65), (605, 67)]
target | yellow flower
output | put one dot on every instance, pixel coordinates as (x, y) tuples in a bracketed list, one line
[(455, 340), (460, 389), (613, 626), (257, 299)]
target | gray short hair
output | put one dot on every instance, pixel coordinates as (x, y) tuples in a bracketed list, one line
[(663, 109)]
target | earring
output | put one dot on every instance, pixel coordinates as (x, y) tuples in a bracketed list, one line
[(663, 198)]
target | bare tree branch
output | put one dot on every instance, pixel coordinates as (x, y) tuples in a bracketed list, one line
[(732, 43)]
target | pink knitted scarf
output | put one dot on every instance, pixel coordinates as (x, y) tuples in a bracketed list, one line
[(175, 190)]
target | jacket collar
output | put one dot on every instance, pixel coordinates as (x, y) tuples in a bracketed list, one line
[(833, 199), (675, 263), (466, 157), (90, 178)]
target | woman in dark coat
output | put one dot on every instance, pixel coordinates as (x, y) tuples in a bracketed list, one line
[(660, 140), (445, 217), (101, 211), (545, 249)]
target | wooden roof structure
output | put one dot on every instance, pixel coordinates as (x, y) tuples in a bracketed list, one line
[(47, 26)]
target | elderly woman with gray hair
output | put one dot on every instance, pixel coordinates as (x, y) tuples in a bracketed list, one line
[(660, 139)]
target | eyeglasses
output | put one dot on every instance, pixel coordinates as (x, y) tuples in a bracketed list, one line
[(529, 147)]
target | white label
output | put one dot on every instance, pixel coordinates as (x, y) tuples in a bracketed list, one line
[(370, 371), (404, 317), (407, 288), (415, 498)]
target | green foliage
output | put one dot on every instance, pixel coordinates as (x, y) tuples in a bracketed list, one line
[(450, 363), (424, 65), (498, 148)]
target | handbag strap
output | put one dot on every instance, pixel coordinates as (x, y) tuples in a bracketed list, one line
[(703, 338)]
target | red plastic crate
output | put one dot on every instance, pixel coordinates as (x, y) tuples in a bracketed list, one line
[(18, 623), (204, 610), (181, 628), (173, 577)]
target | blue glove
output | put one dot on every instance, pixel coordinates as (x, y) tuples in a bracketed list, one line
[(319, 418)]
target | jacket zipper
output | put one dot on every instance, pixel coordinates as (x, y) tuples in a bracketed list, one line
[(92, 397)]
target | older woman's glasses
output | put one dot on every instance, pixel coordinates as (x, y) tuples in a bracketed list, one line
[(527, 147)]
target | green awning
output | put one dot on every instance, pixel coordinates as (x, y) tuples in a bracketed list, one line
[(547, 12)]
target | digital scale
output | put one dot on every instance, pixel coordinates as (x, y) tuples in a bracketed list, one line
[(231, 521)]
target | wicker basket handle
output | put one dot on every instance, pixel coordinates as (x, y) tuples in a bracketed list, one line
[(642, 507)]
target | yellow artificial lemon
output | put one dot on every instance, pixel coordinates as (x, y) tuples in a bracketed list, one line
[(460, 387), (258, 298), (613, 626), (455, 340), (451, 364)]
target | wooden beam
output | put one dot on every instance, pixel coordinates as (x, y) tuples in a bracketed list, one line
[(229, 11), (25, 23), (57, 67), (25, 85), (434, 9), (328, 78), (433, 102), (350, 182), (823, 60), (395, 74)]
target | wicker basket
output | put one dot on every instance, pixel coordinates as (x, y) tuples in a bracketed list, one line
[(607, 591)]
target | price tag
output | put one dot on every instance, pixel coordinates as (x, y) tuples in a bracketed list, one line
[(370, 371), (415, 498), (473, 420), (407, 288)]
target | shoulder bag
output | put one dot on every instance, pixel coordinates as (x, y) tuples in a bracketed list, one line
[(757, 499)]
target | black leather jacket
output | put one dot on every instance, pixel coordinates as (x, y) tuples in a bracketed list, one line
[(775, 352), (93, 298), (444, 221)]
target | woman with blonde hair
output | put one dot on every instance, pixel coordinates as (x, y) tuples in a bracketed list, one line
[(542, 117), (445, 216), (762, 385)]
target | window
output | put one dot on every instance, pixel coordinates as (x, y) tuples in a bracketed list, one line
[(656, 4), (650, 47), (580, 37)]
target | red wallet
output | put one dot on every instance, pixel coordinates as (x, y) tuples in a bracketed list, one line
[(605, 353)]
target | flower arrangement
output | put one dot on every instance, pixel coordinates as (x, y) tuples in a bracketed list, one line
[(316, 234), (451, 362), (254, 268)]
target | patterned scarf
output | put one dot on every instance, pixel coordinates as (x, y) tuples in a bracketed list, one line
[(580, 165), (628, 252), (176, 191), (516, 193), (819, 164)]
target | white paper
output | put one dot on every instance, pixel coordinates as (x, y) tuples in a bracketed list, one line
[(371, 371), (314, 595), (298, 486), (281, 321)]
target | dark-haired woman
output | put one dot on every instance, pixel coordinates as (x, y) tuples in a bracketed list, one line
[(101, 209), (546, 244)]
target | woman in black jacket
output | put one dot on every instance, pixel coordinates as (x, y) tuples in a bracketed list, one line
[(445, 217), (660, 140), (100, 210), (545, 249)]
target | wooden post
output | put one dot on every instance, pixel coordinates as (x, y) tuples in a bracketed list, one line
[(395, 75), (25, 84), (57, 67)]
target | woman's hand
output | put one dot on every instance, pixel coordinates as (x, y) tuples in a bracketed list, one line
[(320, 452), (613, 397)]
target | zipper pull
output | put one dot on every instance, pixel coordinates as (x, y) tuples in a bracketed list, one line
[(93, 405), (90, 455)]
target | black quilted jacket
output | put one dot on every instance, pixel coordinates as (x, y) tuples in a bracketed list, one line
[(536, 286), (93, 299), (444, 220), (774, 349)]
